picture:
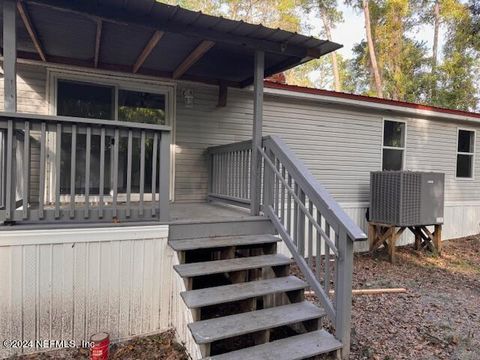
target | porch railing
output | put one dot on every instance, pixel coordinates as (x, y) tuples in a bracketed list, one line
[(315, 229), (229, 169), (63, 169)]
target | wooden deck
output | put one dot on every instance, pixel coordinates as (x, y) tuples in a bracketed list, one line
[(207, 211)]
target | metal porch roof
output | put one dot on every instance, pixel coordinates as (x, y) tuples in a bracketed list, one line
[(120, 34)]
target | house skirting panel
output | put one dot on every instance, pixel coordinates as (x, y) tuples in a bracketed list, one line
[(67, 284)]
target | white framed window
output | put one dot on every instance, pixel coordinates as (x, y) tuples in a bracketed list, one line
[(393, 144), (465, 153)]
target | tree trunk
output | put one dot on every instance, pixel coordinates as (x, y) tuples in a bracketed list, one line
[(328, 32), (436, 28), (371, 50)]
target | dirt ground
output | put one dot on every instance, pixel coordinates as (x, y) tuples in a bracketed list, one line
[(162, 346), (437, 318)]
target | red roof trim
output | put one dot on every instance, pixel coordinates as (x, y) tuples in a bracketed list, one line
[(342, 95)]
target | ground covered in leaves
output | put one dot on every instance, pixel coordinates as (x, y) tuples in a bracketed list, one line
[(437, 318), (162, 346)]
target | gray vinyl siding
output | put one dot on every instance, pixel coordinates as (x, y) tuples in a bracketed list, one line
[(31, 89), (340, 147), (31, 98)]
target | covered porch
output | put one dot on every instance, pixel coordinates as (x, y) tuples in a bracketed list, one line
[(91, 159)]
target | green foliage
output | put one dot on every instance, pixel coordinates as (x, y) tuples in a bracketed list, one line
[(457, 76)]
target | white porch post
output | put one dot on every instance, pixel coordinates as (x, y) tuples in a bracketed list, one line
[(259, 73)]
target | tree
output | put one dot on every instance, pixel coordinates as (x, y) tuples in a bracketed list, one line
[(458, 74), (330, 15), (364, 5)]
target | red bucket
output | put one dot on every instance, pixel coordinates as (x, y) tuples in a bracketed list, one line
[(100, 346)]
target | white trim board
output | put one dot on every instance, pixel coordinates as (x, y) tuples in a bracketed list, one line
[(66, 236)]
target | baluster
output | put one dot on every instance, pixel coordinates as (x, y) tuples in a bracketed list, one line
[(234, 174), (115, 171), (218, 179), (129, 172), (220, 173), (246, 174), (229, 173), (10, 196), (318, 257), (73, 166), (295, 216), (289, 206), (88, 151), (301, 223), (224, 174), (282, 197), (327, 260), (154, 171), (58, 153), (276, 194), (237, 174), (240, 174), (26, 169), (101, 186), (215, 174), (310, 235), (142, 170), (41, 190), (269, 182)]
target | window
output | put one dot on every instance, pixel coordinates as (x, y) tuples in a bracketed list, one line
[(85, 100), (465, 152), (393, 150), (139, 106)]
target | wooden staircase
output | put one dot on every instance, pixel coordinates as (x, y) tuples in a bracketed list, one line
[(244, 302)]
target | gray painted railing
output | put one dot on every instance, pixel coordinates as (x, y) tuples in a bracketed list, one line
[(63, 169), (315, 229), (229, 173)]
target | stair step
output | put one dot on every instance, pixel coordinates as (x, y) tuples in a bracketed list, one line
[(257, 225), (291, 348), (224, 266), (208, 331), (223, 241), (222, 294)]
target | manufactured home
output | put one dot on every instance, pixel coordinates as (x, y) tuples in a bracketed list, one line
[(151, 179)]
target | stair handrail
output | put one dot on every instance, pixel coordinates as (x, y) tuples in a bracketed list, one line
[(285, 177)]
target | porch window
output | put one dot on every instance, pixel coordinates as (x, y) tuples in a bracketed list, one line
[(81, 99), (85, 100), (140, 106), (465, 153), (393, 151)]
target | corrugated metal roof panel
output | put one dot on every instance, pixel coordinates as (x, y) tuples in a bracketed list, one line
[(121, 44), (67, 30), (70, 35)]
